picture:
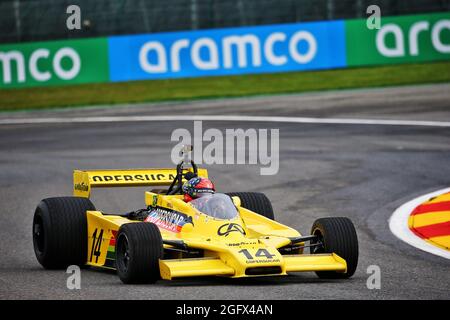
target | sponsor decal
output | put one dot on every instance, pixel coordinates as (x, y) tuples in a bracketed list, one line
[(133, 177), (242, 243), (226, 229), (81, 187), (263, 261), (168, 219), (155, 201)]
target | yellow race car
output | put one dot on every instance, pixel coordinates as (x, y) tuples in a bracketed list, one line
[(229, 235)]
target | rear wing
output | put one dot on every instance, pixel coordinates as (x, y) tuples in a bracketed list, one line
[(84, 181)]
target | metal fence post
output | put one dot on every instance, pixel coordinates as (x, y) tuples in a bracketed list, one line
[(330, 9), (194, 14), (359, 8), (18, 20), (145, 15)]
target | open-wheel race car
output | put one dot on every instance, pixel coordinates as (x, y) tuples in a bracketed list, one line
[(226, 234)]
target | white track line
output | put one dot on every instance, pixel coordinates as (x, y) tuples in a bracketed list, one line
[(398, 223), (56, 120)]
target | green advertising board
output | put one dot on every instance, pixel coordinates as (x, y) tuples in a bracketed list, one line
[(54, 63), (402, 39)]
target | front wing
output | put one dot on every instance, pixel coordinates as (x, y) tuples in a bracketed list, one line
[(177, 268)]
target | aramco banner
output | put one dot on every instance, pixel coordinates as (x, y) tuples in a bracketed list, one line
[(274, 48)]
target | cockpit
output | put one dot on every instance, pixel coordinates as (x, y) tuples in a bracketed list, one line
[(217, 205)]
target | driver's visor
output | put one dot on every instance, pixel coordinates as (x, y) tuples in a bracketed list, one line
[(204, 192)]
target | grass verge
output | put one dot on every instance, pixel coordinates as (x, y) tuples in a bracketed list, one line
[(216, 87)]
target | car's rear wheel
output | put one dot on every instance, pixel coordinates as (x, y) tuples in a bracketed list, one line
[(60, 231), (256, 202), (337, 235), (139, 247)]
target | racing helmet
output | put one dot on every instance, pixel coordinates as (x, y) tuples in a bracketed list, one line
[(197, 187)]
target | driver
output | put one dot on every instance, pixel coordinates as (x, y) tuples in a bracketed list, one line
[(197, 187)]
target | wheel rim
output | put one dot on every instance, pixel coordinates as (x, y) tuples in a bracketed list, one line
[(123, 253), (38, 234)]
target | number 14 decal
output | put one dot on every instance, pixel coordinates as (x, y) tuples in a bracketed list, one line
[(96, 245), (260, 253)]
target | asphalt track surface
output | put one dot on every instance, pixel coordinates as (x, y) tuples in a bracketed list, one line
[(361, 171)]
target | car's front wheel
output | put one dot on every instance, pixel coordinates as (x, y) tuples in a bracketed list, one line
[(139, 247), (336, 235)]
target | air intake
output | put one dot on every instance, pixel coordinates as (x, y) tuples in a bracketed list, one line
[(262, 270)]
